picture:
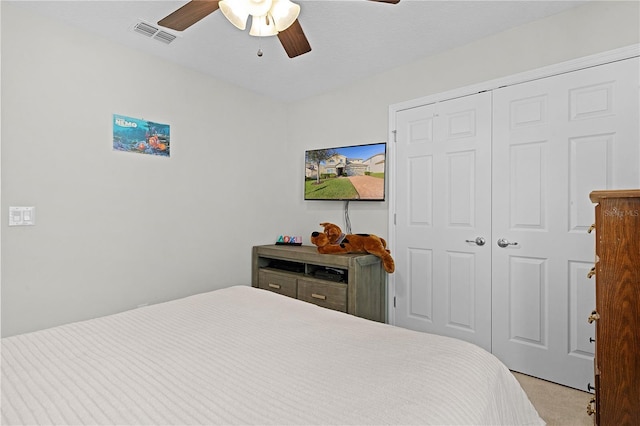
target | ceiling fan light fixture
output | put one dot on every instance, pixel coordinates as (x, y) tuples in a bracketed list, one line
[(236, 11), (258, 7), (284, 13), (262, 26), (268, 16)]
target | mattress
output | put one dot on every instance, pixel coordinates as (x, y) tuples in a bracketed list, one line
[(242, 355)]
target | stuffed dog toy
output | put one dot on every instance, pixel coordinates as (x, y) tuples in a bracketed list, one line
[(333, 241)]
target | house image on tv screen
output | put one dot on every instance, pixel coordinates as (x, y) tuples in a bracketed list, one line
[(340, 165), (346, 173)]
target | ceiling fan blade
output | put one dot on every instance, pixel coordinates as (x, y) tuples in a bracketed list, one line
[(294, 41), (388, 1), (189, 14)]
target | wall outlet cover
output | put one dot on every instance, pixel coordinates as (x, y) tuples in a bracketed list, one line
[(22, 216)]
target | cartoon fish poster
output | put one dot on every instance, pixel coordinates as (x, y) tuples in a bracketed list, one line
[(141, 136)]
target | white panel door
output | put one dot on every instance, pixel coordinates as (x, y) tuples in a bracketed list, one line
[(443, 193), (554, 141)]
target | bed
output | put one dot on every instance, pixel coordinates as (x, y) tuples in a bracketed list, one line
[(242, 355)]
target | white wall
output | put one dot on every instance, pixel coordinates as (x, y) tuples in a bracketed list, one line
[(115, 230)]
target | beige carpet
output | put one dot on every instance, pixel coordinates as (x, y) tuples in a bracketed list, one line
[(557, 405)]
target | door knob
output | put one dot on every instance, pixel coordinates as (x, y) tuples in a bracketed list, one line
[(478, 241), (503, 242)]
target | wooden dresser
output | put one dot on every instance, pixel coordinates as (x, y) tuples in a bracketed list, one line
[(617, 313), (351, 283)]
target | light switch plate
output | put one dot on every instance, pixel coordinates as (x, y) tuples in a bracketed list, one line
[(22, 216)]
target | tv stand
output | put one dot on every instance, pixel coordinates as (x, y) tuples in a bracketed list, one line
[(352, 283)]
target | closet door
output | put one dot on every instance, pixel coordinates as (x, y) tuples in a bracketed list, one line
[(554, 141), (443, 207)]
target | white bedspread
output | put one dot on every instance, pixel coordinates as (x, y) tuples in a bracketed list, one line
[(247, 356)]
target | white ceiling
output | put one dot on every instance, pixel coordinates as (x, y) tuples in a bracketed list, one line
[(350, 40)]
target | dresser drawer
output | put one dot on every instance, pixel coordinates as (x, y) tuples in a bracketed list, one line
[(278, 282), (327, 295)]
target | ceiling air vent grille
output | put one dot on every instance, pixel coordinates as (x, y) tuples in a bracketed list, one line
[(145, 29), (164, 37), (153, 32)]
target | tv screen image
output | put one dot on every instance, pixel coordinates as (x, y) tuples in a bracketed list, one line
[(347, 173)]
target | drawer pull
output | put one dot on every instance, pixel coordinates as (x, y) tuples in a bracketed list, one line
[(590, 407), (318, 296), (591, 228), (592, 272), (593, 317), (276, 286)]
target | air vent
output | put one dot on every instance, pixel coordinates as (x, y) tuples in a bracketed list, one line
[(153, 32), (164, 37), (145, 29)]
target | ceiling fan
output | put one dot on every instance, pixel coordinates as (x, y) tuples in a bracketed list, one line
[(290, 34)]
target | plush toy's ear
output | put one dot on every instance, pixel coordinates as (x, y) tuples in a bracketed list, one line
[(333, 231)]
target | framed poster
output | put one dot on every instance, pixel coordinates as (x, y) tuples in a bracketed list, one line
[(141, 136)]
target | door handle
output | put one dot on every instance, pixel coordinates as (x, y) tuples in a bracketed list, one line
[(478, 241), (503, 242)]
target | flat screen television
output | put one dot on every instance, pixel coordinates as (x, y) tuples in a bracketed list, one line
[(346, 173)]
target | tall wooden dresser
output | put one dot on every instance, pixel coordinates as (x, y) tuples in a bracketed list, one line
[(617, 313)]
